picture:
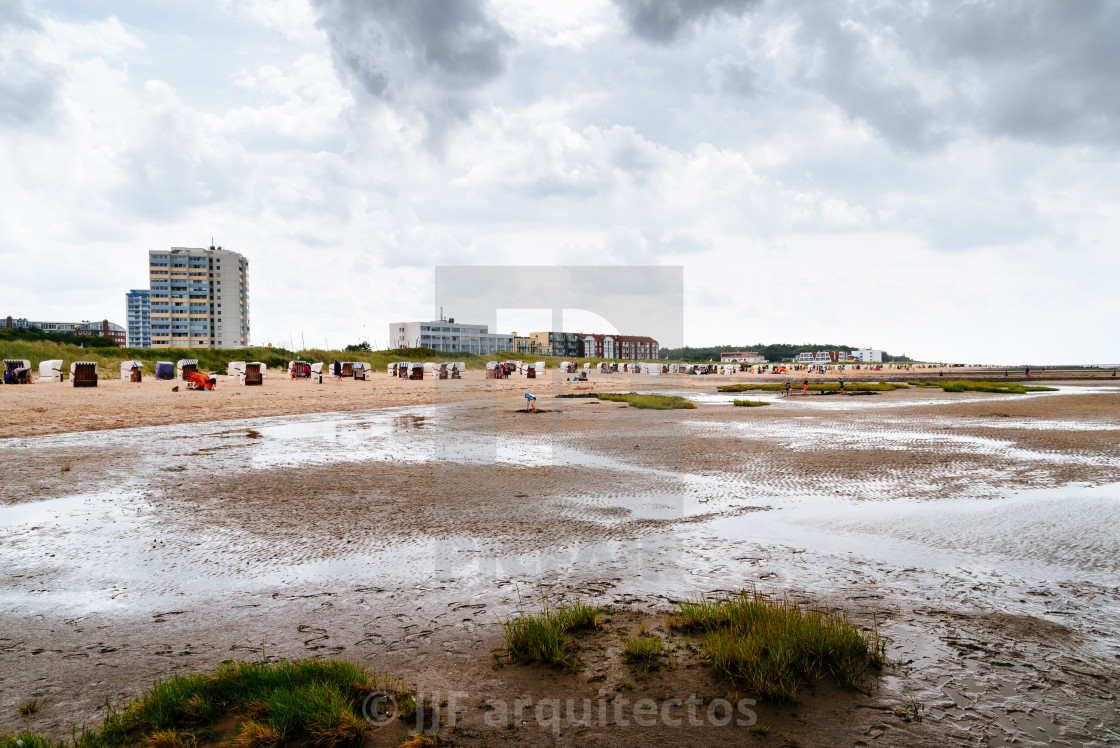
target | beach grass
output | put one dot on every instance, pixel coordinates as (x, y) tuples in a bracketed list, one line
[(771, 646), (817, 387), (310, 702), (750, 403), (654, 402), (644, 649), (546, 637), (967, 385)]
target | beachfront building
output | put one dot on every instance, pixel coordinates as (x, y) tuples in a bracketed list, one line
[(199, 298), (449, 335), (619, 347), (561, 344), (823, 357), (530, 345), (745, 357), (139, 321), (867, 355), (83, 329)]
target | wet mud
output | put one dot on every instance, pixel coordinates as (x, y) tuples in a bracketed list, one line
[(977, 532)]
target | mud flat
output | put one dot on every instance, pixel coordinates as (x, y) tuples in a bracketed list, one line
[(977, 532)]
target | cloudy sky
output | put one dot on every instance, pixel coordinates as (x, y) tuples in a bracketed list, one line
[(932, 178)]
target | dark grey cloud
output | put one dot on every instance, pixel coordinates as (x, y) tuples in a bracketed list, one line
[(432, 55), (665, 21), (922, 74)]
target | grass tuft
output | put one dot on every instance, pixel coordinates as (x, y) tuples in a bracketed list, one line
[(643, 649), (654, 402), (771, 646), (967, 385), (818, 387), (546, 636), (170, 738), (29, 707), (750, 403)]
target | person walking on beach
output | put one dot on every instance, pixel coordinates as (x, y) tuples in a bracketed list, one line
[(787, 387), (805, 388), (841, 385)]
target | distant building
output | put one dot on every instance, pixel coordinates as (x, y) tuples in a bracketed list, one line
[(868, 355), (449, 335), (103, 329), (199, 298), (561, 344), (530, 345), (84, 329), (823, 357), (139, 320), (746, 357), (621, 347), (820, 357)]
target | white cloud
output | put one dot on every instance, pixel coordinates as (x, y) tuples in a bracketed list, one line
[(818, 176)]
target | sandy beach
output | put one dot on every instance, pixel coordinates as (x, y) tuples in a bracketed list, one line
[(396, 523)]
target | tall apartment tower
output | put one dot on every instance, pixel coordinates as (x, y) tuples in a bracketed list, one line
[(199, 298), (138, 314)]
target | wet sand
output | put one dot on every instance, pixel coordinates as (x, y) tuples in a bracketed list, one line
[(977, 531)]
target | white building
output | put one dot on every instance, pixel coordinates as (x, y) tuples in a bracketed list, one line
[(449, 335), (199, 298), (746, 357), (867, 355)]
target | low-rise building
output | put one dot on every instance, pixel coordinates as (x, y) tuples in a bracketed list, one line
[(449, 335), (620, 347), (561, 344), (530, 345), (84, 329), (867, 355), (746, 357)]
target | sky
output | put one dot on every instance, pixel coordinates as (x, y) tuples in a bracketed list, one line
[(938, 179)]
